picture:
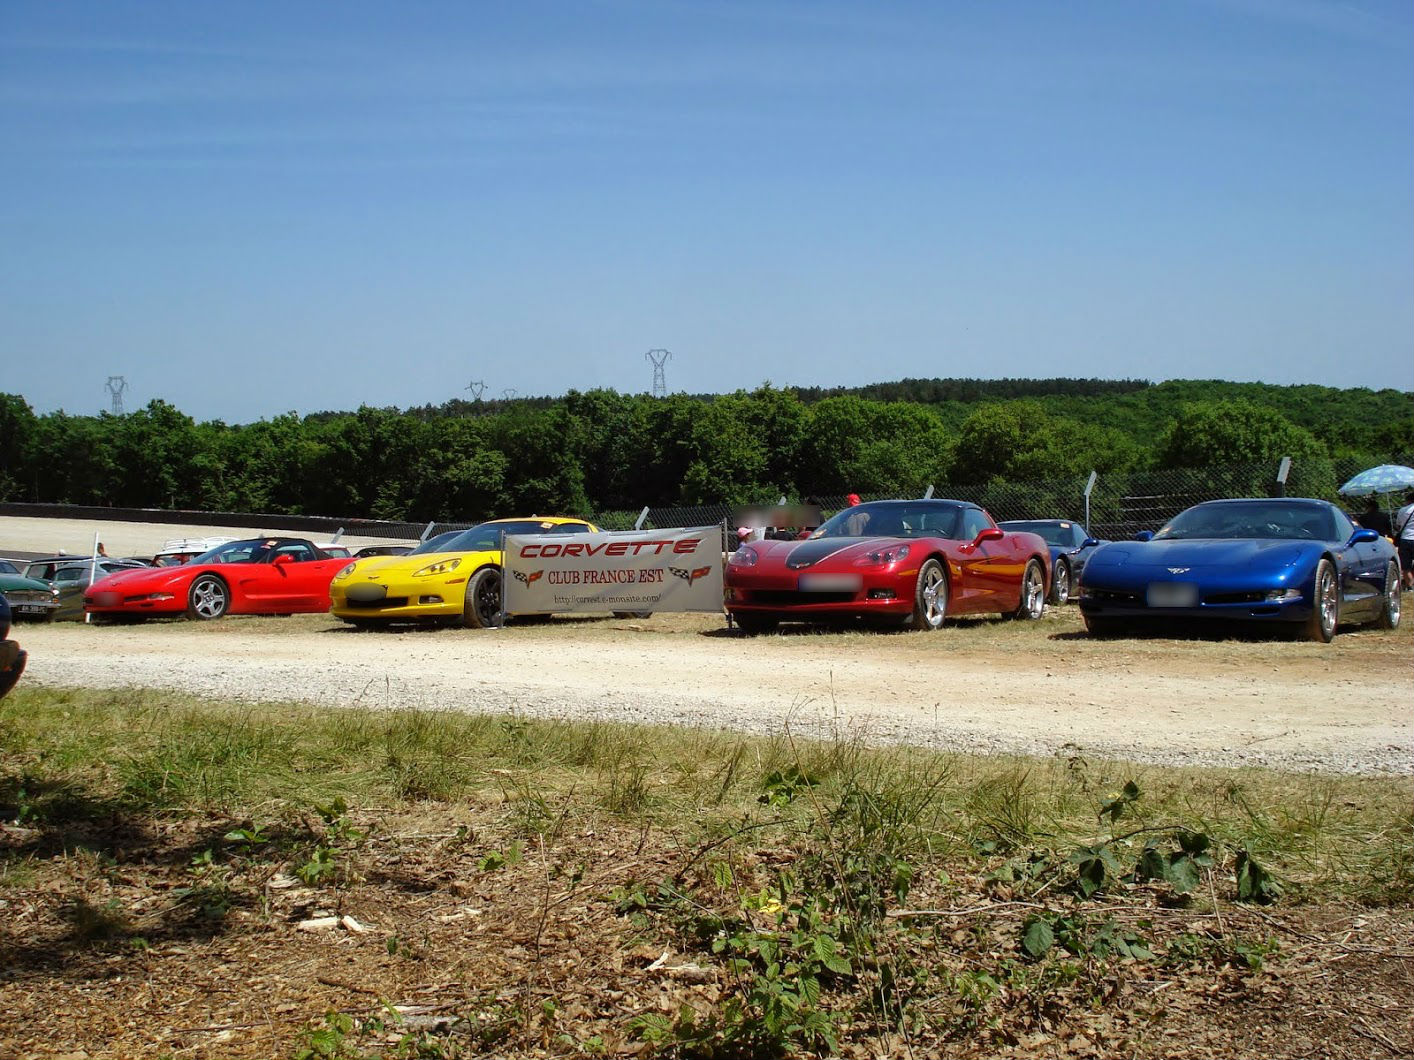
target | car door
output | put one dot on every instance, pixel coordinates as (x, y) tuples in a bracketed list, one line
[(1362, 567), (981, 564), (261, 585), (299, 585)]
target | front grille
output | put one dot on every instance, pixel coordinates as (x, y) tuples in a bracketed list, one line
[(789, 597), (378, 605), (1236, 598), (1110, 596), (29, 596)]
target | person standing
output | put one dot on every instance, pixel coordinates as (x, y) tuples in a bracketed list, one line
[(1376, 518), (1404, 538)]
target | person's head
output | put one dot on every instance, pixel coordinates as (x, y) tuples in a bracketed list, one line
[(853, 499), (101, 550)]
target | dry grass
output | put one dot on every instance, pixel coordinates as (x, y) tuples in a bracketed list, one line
[(521, 879)]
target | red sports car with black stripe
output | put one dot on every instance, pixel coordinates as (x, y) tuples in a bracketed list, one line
[(912, 563), (260, 576)]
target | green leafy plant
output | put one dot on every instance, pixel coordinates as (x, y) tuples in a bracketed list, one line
[(1115, 806), (499, 859), (1095, 868), (1254, 883), (1183, 868), (782, 786)]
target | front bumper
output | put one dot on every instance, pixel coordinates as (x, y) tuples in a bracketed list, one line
[(401, 601), (113, 602), (1224, 602), (812, 596), (32, 605)]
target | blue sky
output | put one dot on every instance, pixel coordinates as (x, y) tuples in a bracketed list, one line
[(247, 209)]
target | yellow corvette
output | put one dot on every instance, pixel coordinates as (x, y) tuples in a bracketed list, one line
[(448, 578)]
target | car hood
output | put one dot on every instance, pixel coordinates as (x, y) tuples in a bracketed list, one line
[(381, 567), (1206, 552), (803, 555), (15, 582), (150, 578)]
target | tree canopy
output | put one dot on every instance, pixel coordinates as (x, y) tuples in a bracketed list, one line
[(600, 450)]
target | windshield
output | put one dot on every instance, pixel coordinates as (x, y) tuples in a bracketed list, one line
[(487, 536), (891, 519), (1052, 533), (1255, 519), (255, 551)]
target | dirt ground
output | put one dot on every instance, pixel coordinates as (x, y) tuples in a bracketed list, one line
[(118, 939), (979, 685)]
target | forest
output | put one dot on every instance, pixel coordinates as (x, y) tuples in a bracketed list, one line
[(599, 450)]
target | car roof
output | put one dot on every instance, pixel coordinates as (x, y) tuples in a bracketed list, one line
[(1309, 502)]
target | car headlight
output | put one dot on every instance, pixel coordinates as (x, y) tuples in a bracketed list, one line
[(1281, 596), (345, 571), (746, 556), (884, 556), (445, 566)]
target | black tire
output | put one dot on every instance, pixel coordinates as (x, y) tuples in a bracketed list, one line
[(1325, 605), (930, 597), (482, 606), (208, 598), (1390, 608), (1060, 584), (1033, 593), (755, 624), (1099, 626)]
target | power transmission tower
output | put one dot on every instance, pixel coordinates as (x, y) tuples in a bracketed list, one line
[(477, 388), (508, 393), (660, 383), (116, 385)]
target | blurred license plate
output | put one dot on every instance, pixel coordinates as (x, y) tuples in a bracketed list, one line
[(1172, 594), (830, 583), (106, 599), (29, 609)]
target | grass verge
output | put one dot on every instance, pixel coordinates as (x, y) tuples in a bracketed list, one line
[(820, 897)]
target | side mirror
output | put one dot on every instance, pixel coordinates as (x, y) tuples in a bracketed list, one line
[(283, 559), (989, 534), (1090, 542), (1144, 535), (1363, 536)]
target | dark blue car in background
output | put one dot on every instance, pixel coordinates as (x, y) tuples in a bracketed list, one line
[(1071, 545), (12, 660), (1291, 563)]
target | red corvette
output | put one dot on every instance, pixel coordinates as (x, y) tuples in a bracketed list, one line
[(262, 576), (909, 562)]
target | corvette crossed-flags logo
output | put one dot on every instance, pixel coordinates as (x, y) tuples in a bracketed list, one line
[(525, 579), (690, 576)]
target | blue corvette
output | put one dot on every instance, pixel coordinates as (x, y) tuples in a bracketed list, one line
[(1298, 564), (1070, 545)]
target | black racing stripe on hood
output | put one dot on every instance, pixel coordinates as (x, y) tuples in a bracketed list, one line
[(808, 553)]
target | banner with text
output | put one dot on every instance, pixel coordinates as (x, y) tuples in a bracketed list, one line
[(641, 570)]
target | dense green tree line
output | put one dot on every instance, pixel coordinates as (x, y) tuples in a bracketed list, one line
[(601, 450)]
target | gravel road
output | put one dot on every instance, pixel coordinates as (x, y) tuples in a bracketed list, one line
[(984, 686)]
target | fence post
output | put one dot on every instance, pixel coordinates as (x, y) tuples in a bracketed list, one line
[(1282, 471), (642, 517), (1089, 488)]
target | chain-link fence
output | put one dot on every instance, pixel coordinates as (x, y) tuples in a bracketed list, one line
[(1119, 505)]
